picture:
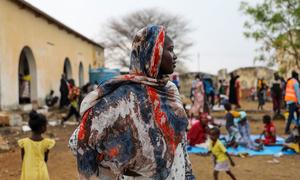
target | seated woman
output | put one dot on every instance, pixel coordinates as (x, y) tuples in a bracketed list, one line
[(293, 141), (231, 126), (199, 129), (244, 130), (269, 132), (51, 100)]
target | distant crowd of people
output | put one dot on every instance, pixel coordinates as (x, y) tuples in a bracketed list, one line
[(204, 93), (283, 94), (202, 126)]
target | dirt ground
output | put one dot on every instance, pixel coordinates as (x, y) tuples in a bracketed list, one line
[(62, 164)]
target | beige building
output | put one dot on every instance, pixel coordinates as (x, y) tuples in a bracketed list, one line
[(249, 76), (33, 43)]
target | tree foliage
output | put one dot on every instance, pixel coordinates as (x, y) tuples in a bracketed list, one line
[(119, 34), (275, 24)]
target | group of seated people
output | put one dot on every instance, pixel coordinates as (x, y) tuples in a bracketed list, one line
[(238, 129)]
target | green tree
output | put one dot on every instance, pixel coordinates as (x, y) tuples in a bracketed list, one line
[(275, 24), (119, 33)]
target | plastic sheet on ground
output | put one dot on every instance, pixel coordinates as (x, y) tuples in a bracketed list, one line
[(268, 150)]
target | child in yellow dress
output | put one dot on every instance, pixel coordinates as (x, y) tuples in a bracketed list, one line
[(220, 156), (35, 149)]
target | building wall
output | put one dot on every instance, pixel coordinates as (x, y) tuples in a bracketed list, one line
[(50, 46), (249, 76)]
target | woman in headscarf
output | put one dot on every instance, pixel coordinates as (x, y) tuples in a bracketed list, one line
[(133, 126), (234, 90), (199, 96)]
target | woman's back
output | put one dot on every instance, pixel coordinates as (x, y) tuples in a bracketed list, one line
[(124, 129)]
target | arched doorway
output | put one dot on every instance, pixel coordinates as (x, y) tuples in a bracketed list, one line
[(27, 77), (67, 69), (81, 76)]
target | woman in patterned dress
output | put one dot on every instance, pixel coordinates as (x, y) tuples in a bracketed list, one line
[(133, 126)]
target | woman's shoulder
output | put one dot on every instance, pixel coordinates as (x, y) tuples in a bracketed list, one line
[(171, 86), (125, 91)]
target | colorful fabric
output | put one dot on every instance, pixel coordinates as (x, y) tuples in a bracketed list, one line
[(199, 95), (34, 166), (230, 116), (73, 96), (197, 134), (294, 146), (208, 86), (245, 140), (234, 134), (270, 129), (133, 122), (218, 150)]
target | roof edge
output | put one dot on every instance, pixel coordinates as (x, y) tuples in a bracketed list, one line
[(50, 19)]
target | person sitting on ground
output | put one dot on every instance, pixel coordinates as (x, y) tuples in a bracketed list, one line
[(198, 131), (293, 142), (231, 127), (220, 155), (51, 100), (269, 132), (35, 149), (244, 130)]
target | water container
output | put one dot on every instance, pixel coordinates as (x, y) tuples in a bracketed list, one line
[(100, 75)]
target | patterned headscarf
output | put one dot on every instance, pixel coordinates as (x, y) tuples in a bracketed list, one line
[(132, 122)]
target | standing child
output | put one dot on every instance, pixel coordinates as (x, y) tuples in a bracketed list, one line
[(220, 155), (35, 149), (269, 132)]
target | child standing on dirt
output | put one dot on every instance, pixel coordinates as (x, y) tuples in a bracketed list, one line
[(35, 149), (220, 155)]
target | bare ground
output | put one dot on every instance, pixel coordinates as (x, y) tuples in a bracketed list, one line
[(62, 164)]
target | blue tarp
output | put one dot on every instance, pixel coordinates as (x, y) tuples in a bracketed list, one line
[(268, 150)]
